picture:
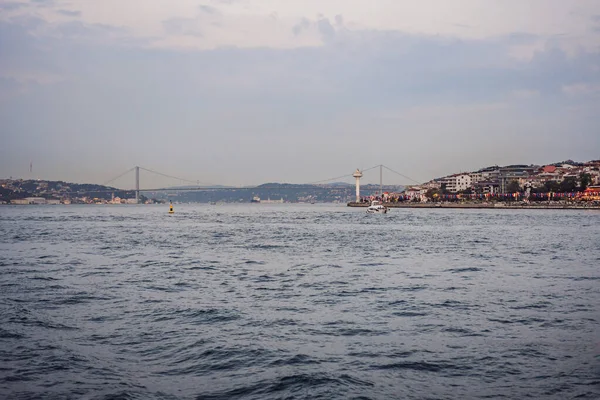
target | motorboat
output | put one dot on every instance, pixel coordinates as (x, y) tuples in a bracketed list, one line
[(376, 208)]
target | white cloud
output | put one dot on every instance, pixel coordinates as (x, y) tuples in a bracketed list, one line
[(581, 89), (272, 23)]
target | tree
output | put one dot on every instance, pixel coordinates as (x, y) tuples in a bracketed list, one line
[(551, 186), (433, 194), (513, 186), (584, 180), (568, 184)]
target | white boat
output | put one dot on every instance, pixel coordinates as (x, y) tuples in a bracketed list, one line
[(376, 208)]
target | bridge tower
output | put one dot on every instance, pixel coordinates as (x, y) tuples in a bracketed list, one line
[(137, 185), (357, 174)]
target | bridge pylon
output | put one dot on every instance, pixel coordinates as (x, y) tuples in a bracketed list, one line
[(137, 184)]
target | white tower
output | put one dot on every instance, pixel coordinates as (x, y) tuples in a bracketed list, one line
[(357, 175)]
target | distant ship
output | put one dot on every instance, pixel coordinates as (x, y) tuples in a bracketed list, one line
[(257, 199)]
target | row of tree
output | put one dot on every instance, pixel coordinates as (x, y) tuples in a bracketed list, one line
[(568, 185)]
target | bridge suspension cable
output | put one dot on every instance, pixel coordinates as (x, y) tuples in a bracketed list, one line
[(338, 177), (175, 177), (404, 176), (117, 177), (212, 187)]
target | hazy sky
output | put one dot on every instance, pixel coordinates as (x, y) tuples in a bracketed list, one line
[(252, 91)]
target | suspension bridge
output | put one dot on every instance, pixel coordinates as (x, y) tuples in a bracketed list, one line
[(196, 185)]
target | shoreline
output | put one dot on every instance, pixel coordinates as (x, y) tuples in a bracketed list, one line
[(495, 206)]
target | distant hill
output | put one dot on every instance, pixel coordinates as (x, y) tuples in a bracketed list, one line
[(289, 192), (194, 187), (339, 184), (19, 189)]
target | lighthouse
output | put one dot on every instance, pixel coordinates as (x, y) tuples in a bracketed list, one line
[(357, 175)]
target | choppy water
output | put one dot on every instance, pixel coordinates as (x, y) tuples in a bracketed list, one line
[(298, 302)]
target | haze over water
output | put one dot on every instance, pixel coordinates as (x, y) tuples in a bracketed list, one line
[(298, 302)]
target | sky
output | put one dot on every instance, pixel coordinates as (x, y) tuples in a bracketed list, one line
[(243, 92)]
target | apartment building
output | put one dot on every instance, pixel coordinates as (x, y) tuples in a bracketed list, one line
[(457, 183)]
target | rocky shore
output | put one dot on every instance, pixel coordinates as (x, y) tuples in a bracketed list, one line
[(494, 205)]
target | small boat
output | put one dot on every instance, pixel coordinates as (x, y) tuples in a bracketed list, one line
[(376, 208)]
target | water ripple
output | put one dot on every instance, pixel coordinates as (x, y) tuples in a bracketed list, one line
[(298, 302)]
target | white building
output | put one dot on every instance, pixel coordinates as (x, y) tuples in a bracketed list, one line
[(478, 177), (416, 192), (36, 200), (481, 176), (457, 183), (432, 185)]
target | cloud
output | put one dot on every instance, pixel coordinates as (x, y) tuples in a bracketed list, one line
[(208, 9), (581, 89), (250, 23), (380, 67), (90, 33), (25, 55), (326, 30), (205, 19), (288, 82), (301, 26), (12, 5), (43, 3), (183, 26), (69, 13), (522, 38)]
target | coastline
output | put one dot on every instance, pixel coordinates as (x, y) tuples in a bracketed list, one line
[(497, 205)]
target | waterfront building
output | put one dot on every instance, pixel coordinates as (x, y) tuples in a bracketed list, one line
[(36, 200), (457, 183), (514, 173), (487, 187), (416, 192), (478, 176), (434, 184)]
